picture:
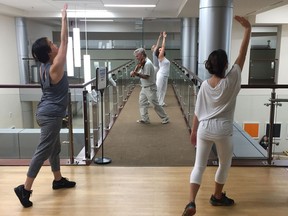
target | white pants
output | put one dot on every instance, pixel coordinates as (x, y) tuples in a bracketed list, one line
[(224, 148), (161, 82)]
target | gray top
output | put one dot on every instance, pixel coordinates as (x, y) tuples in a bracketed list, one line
[(54, 99)]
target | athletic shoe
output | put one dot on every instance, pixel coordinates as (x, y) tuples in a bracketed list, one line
[(141, 121), (63, 183), (23, 195), (224, 201), (165, 120), (190, 209)]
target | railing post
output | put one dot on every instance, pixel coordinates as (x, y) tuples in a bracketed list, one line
[(271, 126), (86, 126), (70, 128)]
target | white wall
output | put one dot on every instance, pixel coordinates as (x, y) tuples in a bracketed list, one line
[(250, 106), (8, 51), (36, 30), (10, 110), (283, 60)]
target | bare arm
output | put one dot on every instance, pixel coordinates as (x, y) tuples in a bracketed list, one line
[(245, 41), (161, 54), (193, 135), (57, 68), (157, 44)]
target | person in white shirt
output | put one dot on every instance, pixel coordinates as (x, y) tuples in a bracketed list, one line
[(163, 72), (213, 120)]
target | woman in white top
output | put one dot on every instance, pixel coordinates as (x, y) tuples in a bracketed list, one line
[(163, 72), (213, 120)]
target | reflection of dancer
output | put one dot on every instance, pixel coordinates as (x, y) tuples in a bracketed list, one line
[(264, 142), (163, 72), (50, 112), (213, 120), (145, 71), (154, 57)]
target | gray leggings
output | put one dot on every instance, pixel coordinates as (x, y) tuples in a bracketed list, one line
[(49, 146)]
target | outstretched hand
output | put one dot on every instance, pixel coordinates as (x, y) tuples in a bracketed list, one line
[(164, 34), (243, 21), (64, 10)]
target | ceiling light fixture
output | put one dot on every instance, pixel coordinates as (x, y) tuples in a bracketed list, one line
[(69, 58), (89, 14), (128, 5), (87, 60), (76, 43), (80, 10), (96, 20)]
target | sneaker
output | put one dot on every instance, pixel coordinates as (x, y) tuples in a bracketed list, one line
[(23, 195), (63, 183), (141, 121), (164, 105), (165, 120), (190, 209), (224, 201)]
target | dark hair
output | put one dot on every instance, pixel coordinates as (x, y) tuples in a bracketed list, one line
[(262, 139), (41, 50), (216, 63), (157, 52)]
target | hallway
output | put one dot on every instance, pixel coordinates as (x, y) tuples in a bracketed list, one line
[(132, 144)]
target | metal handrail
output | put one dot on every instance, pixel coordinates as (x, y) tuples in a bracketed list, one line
[(70, 124), (272, 104)]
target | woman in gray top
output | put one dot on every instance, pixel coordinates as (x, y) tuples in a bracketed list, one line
[(50, 111)]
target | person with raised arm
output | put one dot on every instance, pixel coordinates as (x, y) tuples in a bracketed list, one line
[(50, 111), (163, 72), (154, 57), (213, 120)]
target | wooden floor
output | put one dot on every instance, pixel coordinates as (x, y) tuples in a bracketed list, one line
[(145, 191)]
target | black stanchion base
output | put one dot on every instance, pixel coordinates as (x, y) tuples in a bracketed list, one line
[(102, 160)]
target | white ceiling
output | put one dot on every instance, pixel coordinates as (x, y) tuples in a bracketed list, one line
[(164, 8)]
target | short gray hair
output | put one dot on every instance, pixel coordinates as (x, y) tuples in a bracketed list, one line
[(140, 50)]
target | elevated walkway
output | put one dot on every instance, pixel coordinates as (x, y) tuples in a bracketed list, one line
[(131, 144)]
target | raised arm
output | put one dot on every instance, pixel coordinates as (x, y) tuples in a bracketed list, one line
[(162, 51), (155, 47), (245, 41), (57, 68)]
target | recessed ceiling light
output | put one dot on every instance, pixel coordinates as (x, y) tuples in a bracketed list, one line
[(128, 5), (96, 20)]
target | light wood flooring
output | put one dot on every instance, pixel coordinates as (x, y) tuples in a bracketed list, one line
[(145, 191)]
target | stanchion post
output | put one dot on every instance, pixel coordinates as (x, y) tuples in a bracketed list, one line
[(101, 76)]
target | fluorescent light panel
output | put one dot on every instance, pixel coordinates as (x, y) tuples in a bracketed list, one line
[(87, 68), (69, 58), (95, 11), (89, 14), (96, 20), (128, 5), (77, 48)]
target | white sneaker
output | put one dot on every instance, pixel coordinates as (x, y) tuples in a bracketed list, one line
[(141, 121), (165, 121)]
